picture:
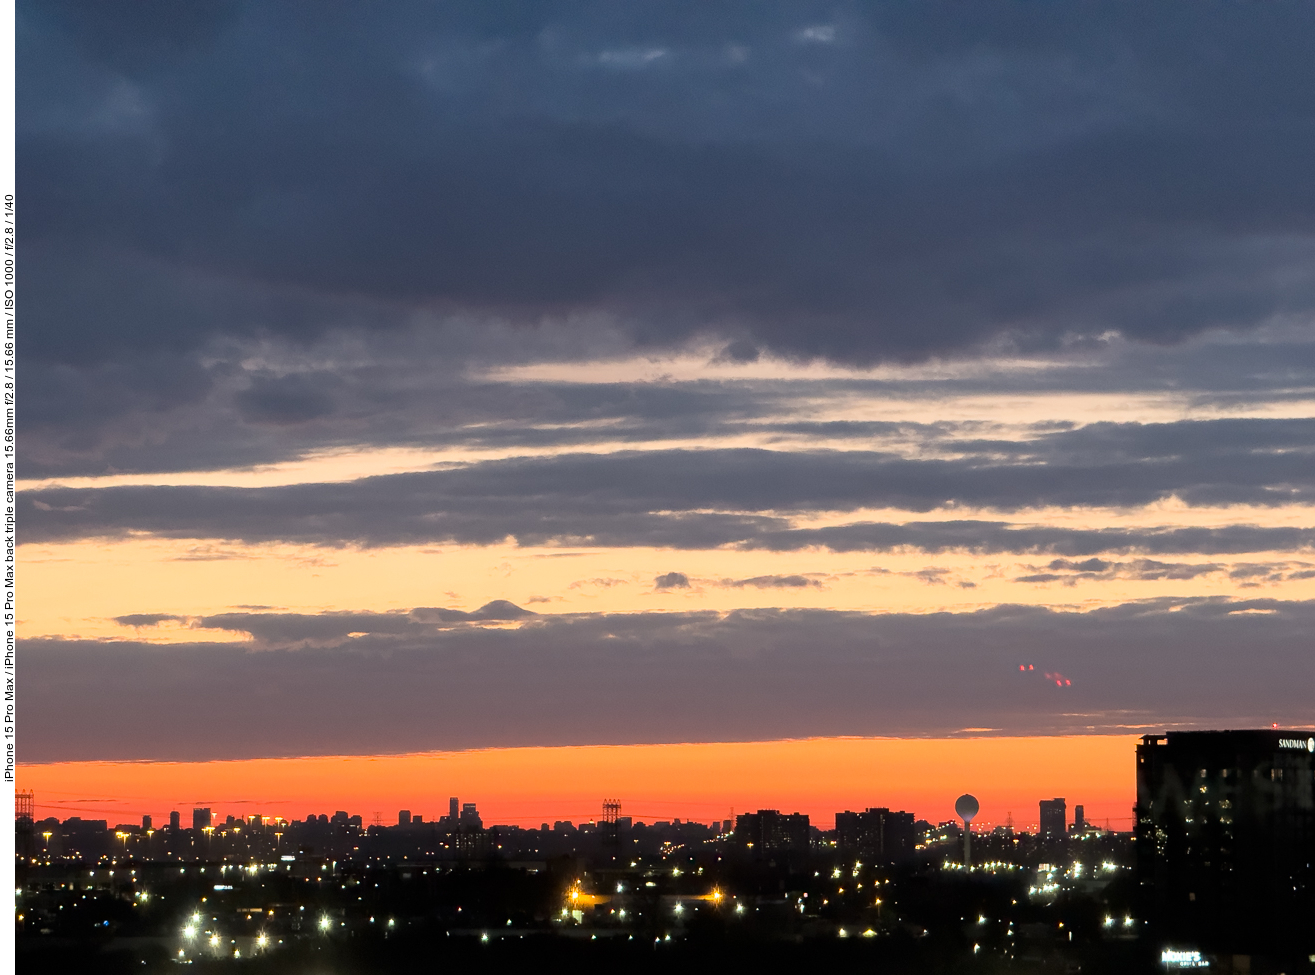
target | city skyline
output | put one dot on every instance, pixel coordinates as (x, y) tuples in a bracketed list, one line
[(523, 786)]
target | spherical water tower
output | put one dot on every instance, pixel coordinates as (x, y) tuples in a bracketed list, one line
[(966, 807)]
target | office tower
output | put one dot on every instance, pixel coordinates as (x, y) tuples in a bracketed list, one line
[(146, 822), (1226, 839), (454, 810), (201, 818), (175, 820), (470, 816), (877, 835), (404, 818), (1054, 819), (1079, 819)]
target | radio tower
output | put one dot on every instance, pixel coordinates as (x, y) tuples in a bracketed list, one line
[(24, 823), (611, 830)]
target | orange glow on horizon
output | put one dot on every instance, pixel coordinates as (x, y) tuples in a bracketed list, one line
[(700, 782)]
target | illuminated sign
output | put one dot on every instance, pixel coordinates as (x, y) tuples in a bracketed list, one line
[(1172, 958), (1305, 744)]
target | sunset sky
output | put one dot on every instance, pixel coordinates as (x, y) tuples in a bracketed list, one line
[(711, 405)]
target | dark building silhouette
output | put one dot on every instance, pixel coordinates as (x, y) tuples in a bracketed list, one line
[(201, 819), (1225, 839), (877, 835), (610, 827), (146, 822), (404, 818), (1079, 819), (25, 824), (1054, 819), (175, 820), (768, 832)]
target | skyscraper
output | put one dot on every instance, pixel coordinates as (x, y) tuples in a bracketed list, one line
[(201, 818), (1054, 819), (1226, 838)]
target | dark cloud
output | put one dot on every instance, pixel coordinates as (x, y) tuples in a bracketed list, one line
[(772, 582), (898, 190), (294, 629), (986, 538), (1146, 570), (284, 400), (148, 619), (498, 609), (687, 498), (671, 580), (369, 682), (264, 402)]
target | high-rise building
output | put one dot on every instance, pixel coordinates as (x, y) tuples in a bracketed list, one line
[(1054, 819), (201, 818), (454, 810), (1079, 819), (146, 822), (470, 816), (768, 832), (1226, 839), (175, 820), (404, 818), (878, 835)]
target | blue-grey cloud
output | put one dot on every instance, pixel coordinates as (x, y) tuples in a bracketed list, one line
[(773, 582), (148, 619), (905, 188), (371, 682), (689, 498)]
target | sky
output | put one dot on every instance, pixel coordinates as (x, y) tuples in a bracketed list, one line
[(515, 380)]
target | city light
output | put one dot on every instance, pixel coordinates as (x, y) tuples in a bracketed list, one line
[(356, 873)]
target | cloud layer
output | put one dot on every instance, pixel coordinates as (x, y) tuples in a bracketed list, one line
[(729, 294), (360, 683)]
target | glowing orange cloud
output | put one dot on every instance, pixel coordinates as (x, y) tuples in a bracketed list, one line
[(703, 782)]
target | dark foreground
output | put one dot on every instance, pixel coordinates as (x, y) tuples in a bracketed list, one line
[(434, 951)]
